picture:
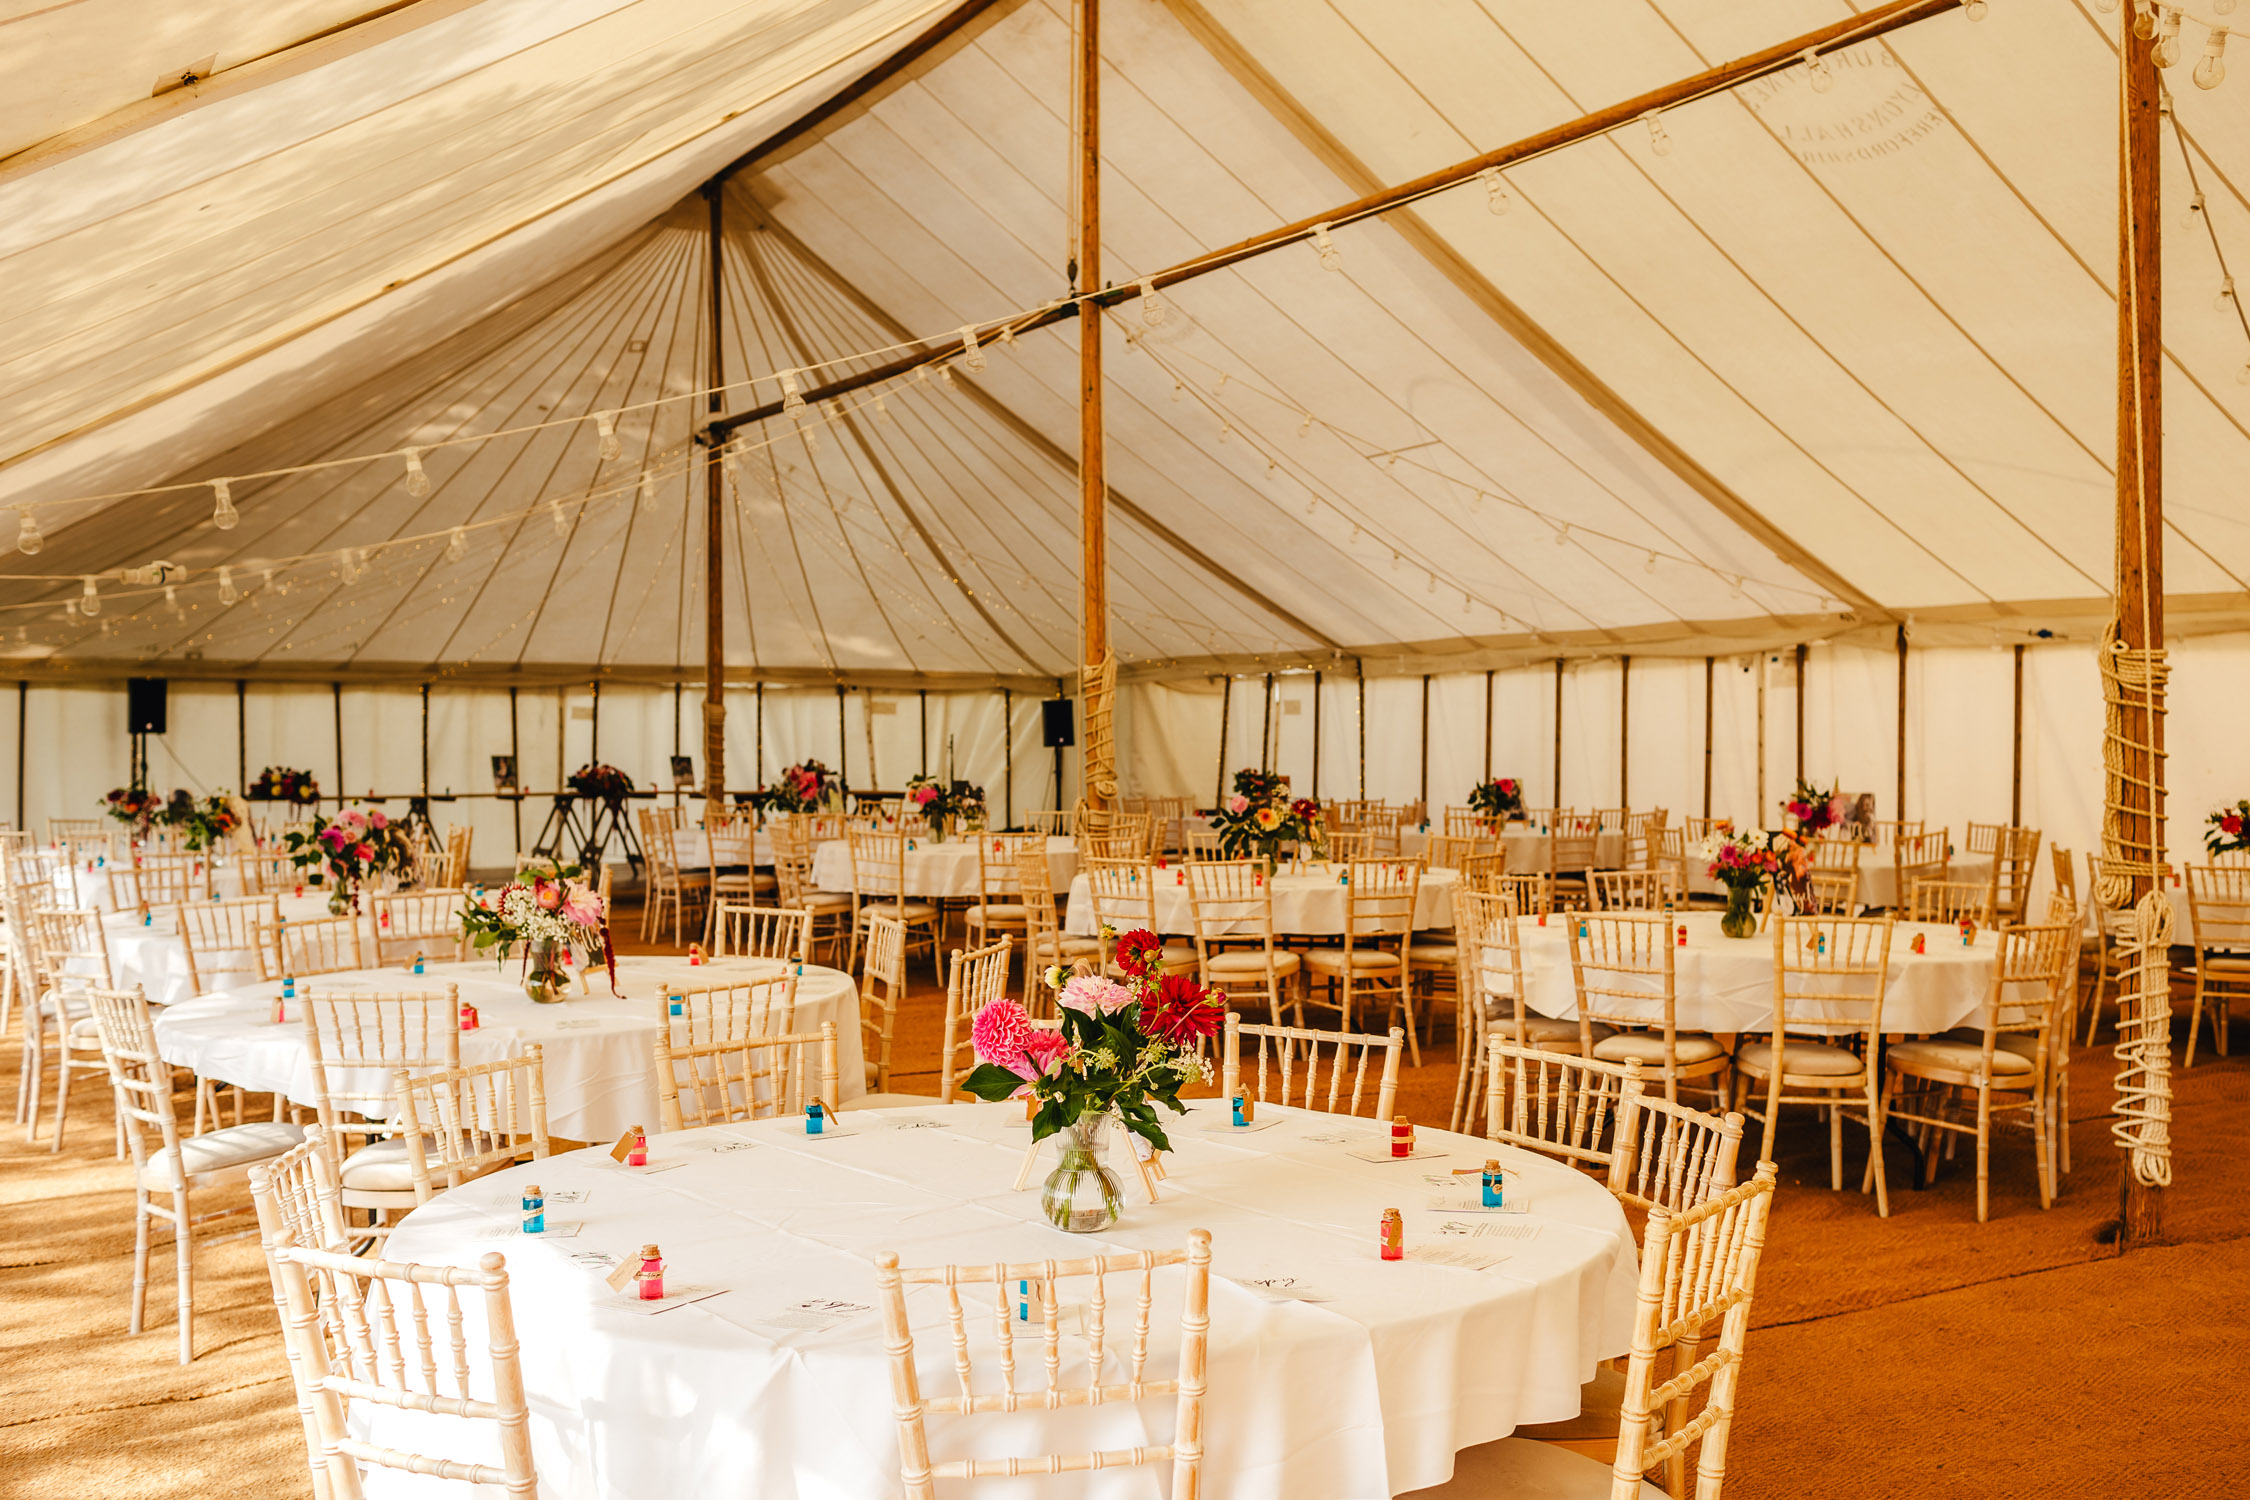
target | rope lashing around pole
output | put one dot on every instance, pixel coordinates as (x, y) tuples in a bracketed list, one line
[(2143, 1126), (1100, 789)]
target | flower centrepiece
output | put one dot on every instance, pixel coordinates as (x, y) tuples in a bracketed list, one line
[(546, 903), (350, 847), (2229, 829), (134, 806), (1260, 817), (945, 801), (1498, 799), (602, 781), (281, 784), (805, 787), (1814, 809)]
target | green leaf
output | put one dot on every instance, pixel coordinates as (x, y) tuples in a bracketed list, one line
[(989, 1081)]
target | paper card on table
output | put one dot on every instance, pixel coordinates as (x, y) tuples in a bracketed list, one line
[(622, 1276), (1341, 1137), (833, 1132), (1284, 1288), (1461, 1256), (813, 1315), (557, 1229), (573, 1025), (670, 1300), (916, 1122), (593, 1260), (569, 1195), (1517, 1201), (624, 1146), (1224, 1125), (650, 1170), (1383, 1153), (724, 1143), (1489, 1229)]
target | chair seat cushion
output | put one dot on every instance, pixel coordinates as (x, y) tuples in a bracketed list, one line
[(1521, 1469), (1359, 960), (904, 911), (1252, 961), (1176, 957), (1547, 1033), (234, 1148), (1648, 1047), (826, 901), (997, 912), (378, 1167), (1803, 1060), (1433, 952), (1955, 1057), (2021, 1043), (1079, 947), (87, 1029)]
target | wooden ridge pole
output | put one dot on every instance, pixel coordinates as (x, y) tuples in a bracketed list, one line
[(1625, 732), (1558, 731), (1901, 813), (1801, 711), (2140, 508), (714, 544), (1098, 769), (2015, 770), (1844, 33), (1710, 673)]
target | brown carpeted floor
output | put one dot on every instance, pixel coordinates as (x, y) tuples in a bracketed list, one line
[(1922, 1356)]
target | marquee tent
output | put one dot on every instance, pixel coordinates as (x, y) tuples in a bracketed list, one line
[(1544, 474)]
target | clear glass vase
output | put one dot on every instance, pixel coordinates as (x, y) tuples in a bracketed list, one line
[(543, 976), (1741, 920), (1082, 1195)]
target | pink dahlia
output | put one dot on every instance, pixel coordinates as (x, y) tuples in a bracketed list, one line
[(999, 1033), (1093, 995)]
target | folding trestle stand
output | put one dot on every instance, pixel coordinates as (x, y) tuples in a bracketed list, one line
[(566, 835)]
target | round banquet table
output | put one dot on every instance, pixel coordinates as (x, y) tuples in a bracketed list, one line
[(934, 870), (153, 955), (595, 1048), (778, 1385), (87, 883), (1306, 905), (1878, 876), (1723, 984)]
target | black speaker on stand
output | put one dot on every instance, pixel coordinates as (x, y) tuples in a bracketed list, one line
[(144, 715), (1060, 734)]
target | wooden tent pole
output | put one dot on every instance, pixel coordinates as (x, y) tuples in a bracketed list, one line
[(426, 739), (1710, 674), (2138, 787), (1314, 790), (1008, 755), (2015, 767), (1558, 730), (515, 760), (1265, 728), (1359, 669), (1800, 710), (1097, 681), (23, 705), (714, 541), (1783, 55), (1901, 721), (241, 739), (1425, 792), (336, 692), (1226, 711), (1625, 732), (1759, 803), (1488, 723)]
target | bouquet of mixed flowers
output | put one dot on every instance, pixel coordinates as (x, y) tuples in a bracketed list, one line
[(2227, 832), (1123, 1047), (280, 784), (206, 824), (134, 806), (350, 847), (546, 903), (1813, 808), (945, 800), (1260, 817), (1501, 797), (605, 782), (805, 787), (1741, 860)]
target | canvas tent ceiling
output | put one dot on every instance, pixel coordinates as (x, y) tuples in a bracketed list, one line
[(1835, 358)]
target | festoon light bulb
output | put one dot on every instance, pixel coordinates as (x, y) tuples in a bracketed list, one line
[(457, 544), (28, 539), (2167, 49), (1153, 310), (1974, 9), (1816, 71), (1330, 260), (2211, 67), (605, 423), (228, 593), (223, 514), (791, 398), (561, 517), (90, 598), (417, 478), (2224, 302), (2144, 19), (1496, 200), (972, 356), (172, 598), (648, 490), (1658, 141)]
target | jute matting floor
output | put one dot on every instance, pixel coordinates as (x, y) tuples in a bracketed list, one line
[(1923, 1356)]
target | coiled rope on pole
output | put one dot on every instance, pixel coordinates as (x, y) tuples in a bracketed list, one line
[(2143, 1108)]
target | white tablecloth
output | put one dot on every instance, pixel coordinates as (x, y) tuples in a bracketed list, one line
[(595, 1048), (1308, 905), (153, 955), (1363, 1395), (87, 883), (948, 869), (694, 850), (1878, 876), (1723, 984)]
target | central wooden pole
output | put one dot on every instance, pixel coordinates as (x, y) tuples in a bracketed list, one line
[(714, 550), (1098, 775), (2140, 511)]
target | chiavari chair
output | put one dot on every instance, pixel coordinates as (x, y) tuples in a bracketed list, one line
[(1830, 893), (741, 929), (1951, 902), (1369, 967), (1917, 857), (355, 1046), (879, 885), (882, 986), (670, 887), (742, 1078), (1487, 932), (462, 1123), (1558, 1104), (1037, 1281), (1291, 1057), (1623, 966), (1236, 953), (419, 922), (2219, 926), (1636, 890), (318, 945), (979, 977), (1124, 896), (1046, 945), (1000, 907), (829, 911)]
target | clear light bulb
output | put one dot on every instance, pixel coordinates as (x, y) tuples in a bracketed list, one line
[(1816, 71), (1330, 259), (90, 598), (605, 423), (1562, 533), (562, 519), (457, 544), (972, 357), (882, 407), (228, 593), (791, 398), (1431, 586), (2167, 49), (1658, 141), (2144, 19), (1394, 562), (2211, 67), (1974, 9), (417, 478), (1464, 604), (2222, 7), (1650, 565), (1304, 428), (945, 376), (812, 442), (1496, 200), (1153, 310), (648, 490), (731, 461), (2224, 302), (172, 598), (28, 539), (223, 514), (2105, 6)]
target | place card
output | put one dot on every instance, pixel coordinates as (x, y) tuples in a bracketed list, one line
[(813, 1315), (569, 1195), (1340, 1138), (1283, 1289), (627, 1302), (723, 1145), (648, 1171), (594, 1260), (1462, 1257), (797, 1132), (560, 1229), (916, 1122), (1382, 1152), (573, 1025), (1514, 1201), (1488, 1229), (1224, 1125)]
